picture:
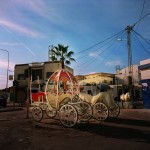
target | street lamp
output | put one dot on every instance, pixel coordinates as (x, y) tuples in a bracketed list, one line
[(7, 66)]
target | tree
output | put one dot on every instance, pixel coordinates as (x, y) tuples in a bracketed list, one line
[(65, 56)]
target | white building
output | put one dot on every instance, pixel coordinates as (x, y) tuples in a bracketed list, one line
[(145, 69)]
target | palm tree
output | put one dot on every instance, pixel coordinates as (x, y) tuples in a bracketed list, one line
[(65, 56)]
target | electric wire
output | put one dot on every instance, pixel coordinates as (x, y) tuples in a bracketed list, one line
[(141, 19), (98, 54), (99, 42), (141, 43), (146, 40), (123, 32), (112, 51), (92, 61), (106, 57), (141, 14)]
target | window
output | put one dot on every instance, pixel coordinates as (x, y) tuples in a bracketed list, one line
[(105, 81), (48, 74), (111, 82), (36, 73), (21, 77), (26, 73)]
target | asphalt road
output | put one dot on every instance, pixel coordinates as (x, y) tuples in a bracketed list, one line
[(130, 131)]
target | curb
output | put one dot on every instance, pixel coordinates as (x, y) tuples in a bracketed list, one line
[(10, 109)]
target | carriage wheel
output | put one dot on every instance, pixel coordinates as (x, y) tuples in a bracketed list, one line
[(68, 115), (115, 111), (100, 111), (51, 113), (84, 111), (37, 113)]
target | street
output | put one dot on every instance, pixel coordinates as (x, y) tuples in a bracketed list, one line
[(131, 130)]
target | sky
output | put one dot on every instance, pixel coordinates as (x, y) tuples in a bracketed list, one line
[(91, 29)]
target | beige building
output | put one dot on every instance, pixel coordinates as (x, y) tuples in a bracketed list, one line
[(96, 78), (37, 73), (88, 83)]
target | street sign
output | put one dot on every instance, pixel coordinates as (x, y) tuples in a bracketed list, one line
[(10, 77)]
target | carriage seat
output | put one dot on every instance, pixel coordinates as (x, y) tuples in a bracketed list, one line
[(91, 99), (52, 98), (104, 97)]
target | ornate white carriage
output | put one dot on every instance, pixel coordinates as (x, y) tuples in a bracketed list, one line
[(62, 99)]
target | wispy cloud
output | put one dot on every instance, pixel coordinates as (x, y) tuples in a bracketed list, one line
[(113, 63), (4, 64), (10, 43), (9, 25), (93, 54), (20, 43), (2, 76)]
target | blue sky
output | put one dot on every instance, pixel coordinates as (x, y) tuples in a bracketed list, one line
[(27, 28)]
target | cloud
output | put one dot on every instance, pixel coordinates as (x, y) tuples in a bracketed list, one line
[(2, 76), (8, 25), (92, 54), (92, 72), (4, 65), (9, 44), (113, 63)]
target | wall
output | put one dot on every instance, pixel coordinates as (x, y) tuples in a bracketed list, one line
[(146, 93), (145, 80)]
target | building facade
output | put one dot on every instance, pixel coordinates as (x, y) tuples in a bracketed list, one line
[(144, 68), (129, 82), (96, 78), (89, 83), (35, 73)]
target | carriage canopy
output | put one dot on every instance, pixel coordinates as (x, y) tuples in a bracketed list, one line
[(61, 82)]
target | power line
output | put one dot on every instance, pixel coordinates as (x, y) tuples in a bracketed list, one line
[(92, 61), (146, 40), (141, 19), (114, 38), (141, 14), (141, 44), (99, 43), (98, 54)]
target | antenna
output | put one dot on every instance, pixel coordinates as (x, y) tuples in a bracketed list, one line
[(50, 47)]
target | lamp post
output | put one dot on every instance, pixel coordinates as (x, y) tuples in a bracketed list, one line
[(7, 66)]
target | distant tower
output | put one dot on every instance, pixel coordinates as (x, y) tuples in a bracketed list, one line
[(117, 69), (50, 53)]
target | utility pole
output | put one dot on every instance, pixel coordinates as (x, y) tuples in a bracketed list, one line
[(129, 28), (130, 67), (7, 66)]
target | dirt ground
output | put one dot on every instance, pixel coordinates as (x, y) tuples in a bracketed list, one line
[(131, 130)]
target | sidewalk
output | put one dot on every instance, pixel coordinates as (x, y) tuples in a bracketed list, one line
[(11, 107)]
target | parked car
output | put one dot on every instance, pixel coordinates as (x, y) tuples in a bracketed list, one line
[(3, 99)]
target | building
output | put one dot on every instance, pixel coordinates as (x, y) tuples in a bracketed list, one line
[(121, 82), (88, 83), (36, 73), (127, 82), (144, 68), (96, 78)]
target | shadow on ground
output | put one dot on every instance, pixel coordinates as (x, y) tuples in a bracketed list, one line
[(120, 132)]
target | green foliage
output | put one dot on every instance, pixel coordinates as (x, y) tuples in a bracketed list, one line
[(61, 52)]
